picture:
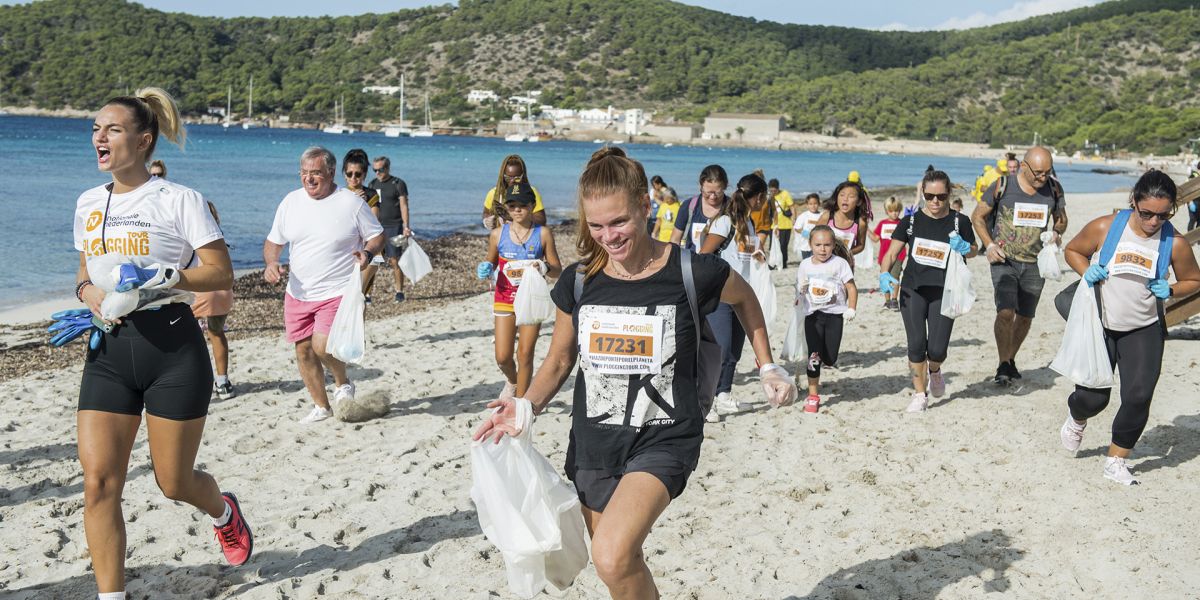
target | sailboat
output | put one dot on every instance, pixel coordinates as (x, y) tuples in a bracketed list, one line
[(425, 130), (340, 126), (228, 108), (400, 130), (250, 123)]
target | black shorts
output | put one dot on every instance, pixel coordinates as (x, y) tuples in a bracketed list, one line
[(596, 486), (389, 232), (156, 360), (1017, 286)]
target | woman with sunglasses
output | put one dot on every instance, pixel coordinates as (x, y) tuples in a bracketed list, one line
[(512, 170), (354, 171), (1131, 297), (930, 235)]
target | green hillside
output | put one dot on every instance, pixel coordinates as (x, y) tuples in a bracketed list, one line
[(1118, 73)]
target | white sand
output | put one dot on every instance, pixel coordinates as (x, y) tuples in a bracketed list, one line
[(973, 498)]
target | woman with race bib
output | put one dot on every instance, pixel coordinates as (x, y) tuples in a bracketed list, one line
[(1127, 255), (631, 312), (929, 235)]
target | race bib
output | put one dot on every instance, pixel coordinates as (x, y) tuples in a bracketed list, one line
[(1133, 259), (514, 270), (930, 253), (697, 234), (622, 344), (886, 229), (1030, 215), (821, 291)]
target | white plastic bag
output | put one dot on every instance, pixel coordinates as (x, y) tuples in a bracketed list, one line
[(414, 263), (347, 335), (866, 258), (764, 289), (1047, 258), (957, 294), (795, 345), (532, 303), (1083, 357), (775, 257), (527, 511)]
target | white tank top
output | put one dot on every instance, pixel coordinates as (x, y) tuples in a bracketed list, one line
[(1128, 303)]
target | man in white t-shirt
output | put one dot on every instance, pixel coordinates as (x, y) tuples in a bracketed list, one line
[(332, 235)]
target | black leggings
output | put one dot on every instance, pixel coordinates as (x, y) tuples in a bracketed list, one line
[(823, 333), (785, 236), (927, 330), (1138, 354)]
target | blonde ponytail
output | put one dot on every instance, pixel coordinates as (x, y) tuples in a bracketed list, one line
[(166, 112)]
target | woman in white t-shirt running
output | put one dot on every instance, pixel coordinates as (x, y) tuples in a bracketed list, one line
[(155, 225)]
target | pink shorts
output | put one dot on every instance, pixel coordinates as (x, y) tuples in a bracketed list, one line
[(302, 319)]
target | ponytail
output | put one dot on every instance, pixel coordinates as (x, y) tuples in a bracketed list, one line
[(737, 207), (609, 172), (155, 111)]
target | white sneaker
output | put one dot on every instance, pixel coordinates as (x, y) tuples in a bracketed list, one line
[(937, 384), (1116, 469), (726, 405), (1071, 433), (343, 392), (918, 403), (712, 416), (317, 414)]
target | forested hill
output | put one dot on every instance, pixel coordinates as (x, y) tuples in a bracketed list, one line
[(1105, 73)]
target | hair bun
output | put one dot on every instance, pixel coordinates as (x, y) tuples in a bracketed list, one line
[(606, 152)]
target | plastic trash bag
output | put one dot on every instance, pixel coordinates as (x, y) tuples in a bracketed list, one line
[(347, 335), (866, 258), (795, 345), (527, 511), (1047, 258), (775, 258), (764, 289), (414, 263), (532, 303), (957, 294), (1083, 357)]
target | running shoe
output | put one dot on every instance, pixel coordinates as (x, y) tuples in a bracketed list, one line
[(712, 416), (343, 392), (236, 540), (399, 297), (366, 299), (225, 391), (918, 403), (1116, 469), (812, 403), (1071, 433), (317, 414), (937, 384), (726, 405), (1003, 377), (1012, 369)]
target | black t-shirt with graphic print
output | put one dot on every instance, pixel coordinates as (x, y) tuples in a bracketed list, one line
[(617, 416), (935, 230)]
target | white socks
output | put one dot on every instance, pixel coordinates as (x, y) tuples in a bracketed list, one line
[(222, 379), (219, 522), (111, 596)]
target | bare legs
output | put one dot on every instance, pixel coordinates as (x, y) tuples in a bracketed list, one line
[(313, 360), (1010, 330), (519, 371), (619, 532), (220, 344)]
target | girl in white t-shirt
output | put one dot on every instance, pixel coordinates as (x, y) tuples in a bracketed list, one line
[(825, 283), (155, 226)]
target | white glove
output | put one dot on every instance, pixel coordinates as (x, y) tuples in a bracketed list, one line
[(778, 385), (849, 314), (491, 222)]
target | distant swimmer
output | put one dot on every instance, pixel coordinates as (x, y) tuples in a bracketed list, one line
[(1009, 220), (331, 236), (148, 360), (393, 216), (515, 249), (630, 313), (929, 236), (1136, 247), (512, 170), (825, 285)]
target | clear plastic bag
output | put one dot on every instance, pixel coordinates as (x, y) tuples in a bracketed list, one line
[(866, 258), (958, 296), (1047, 258), (347, 335), (764, 289), (414, 263), (775, 258), (527, 511), (532, 303), (795, 346), (1083, 357)]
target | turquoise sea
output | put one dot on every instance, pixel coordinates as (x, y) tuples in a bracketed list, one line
[(47, 162)]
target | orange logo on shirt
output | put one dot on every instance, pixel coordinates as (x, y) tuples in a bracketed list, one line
[(93, 220)]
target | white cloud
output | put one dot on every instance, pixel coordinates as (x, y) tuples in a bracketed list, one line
[(1021, 10), (894, 26)]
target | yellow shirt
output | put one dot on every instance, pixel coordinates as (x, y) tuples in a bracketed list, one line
[(783, 207), (666, 219), (537, 200)]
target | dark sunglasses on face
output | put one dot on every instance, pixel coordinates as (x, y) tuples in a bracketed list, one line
[(1146, 215), (939, 197), (384, 170), (355, 174)]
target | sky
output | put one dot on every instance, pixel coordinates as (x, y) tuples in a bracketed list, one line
[(867, 14)]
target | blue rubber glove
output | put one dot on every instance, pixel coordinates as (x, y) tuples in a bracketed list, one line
[(959, 245), (1094, 274), (70, 324), (151, 278), (484, 270), (804, 233), (886, 281), (1160, 288)]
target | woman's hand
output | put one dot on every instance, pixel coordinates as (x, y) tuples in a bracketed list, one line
[(92, 296), (505, 418)]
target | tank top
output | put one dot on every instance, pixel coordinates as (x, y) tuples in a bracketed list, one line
[(848, 236), (511, 265), (1128, 303)]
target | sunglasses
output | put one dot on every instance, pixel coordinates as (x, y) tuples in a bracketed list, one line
[(1146, 215), (383, 170), (939, 197), (355, 174), (1036, 174)]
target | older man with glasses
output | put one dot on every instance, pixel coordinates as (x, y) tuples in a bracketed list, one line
[(1012, 214), (332, 236)]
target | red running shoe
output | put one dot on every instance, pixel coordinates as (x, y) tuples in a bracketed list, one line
[(236, 540), (812, 403)]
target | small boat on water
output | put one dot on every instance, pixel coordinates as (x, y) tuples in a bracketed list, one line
[(395, 131), (425, 130), (340, 126), (515, 137)]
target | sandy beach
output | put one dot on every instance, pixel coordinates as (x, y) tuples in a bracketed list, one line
[(974, 498)]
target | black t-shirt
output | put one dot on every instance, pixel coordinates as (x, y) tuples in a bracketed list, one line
[(625, 325), (390, 192), (929, 246)]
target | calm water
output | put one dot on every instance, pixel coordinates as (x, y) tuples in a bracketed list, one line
[(246, 173)]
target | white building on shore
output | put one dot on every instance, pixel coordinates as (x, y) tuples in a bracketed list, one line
[(481, 96), (386, 90), (753, 127)]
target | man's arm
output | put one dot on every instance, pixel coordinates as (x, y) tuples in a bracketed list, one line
[(979, 222), (404, 215), (271, 254)]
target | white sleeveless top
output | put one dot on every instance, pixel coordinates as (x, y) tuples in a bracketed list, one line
[(1128, 303)]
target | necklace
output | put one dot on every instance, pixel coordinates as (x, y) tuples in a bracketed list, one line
[(520, 241), (649, 262)]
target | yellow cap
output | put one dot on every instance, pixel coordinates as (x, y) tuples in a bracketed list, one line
[(1002, 164), (852, 177)]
